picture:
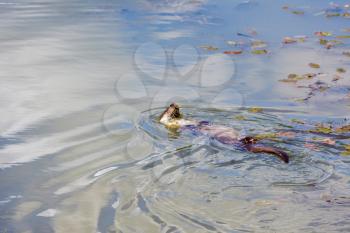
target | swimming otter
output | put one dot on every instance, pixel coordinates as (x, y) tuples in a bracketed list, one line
[(172, 118)]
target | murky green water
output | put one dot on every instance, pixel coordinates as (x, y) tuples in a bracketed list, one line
[(82, 84)]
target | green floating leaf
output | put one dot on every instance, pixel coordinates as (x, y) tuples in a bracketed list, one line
[(341, 70), (322, 129), (297, 12), (297, 121), (240, 118), (259, 51), (255, 109), (265, 136), (343, 37), (314, 65)]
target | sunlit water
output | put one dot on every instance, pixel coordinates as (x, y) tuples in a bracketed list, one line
[(82, 85)]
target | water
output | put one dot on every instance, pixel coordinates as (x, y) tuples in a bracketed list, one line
[(82, 84)]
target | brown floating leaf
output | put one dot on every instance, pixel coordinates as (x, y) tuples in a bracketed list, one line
[(259, 51), (289, 40), (328, 141), (343, 129), (258, 44), (323, 33), (314, 65), (233, 52), (346, 29), (209, 47), (346, 53), (341, 70), (255, 109)]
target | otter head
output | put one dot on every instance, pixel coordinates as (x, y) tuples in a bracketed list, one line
[(172, 112)]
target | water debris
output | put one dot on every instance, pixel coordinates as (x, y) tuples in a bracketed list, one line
[(329, 43), (298, 12), (259, 51), (343, 37), (346, 152), (232, 43), (258, 44), (240, 118), (297, 121), (233, 52), (323, 33), (314, 65), (320, 128), (289, 40), (293, 78), (341, 70), (294, 39), (343, 129), (255, 109), (346, 30), (208, 47)]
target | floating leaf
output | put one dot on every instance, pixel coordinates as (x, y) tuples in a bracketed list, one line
[(343, 129), (240, 118), (323, 41), (314, 65), (209, 47), (233, 52), (347, 151), (285, 7), (265, 136), (297, 121), (343, 37), (255, 109), (341, 70), (346, 29), (258, 44), (309, 75), (259, 51), (333, 14), (323, 33), (346, 15), (322, 129), (289, 40), (298, 12)]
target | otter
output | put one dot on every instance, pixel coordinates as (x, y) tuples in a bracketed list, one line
[(173, 118)]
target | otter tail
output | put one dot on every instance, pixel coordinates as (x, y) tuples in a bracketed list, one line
[(249, 143)]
